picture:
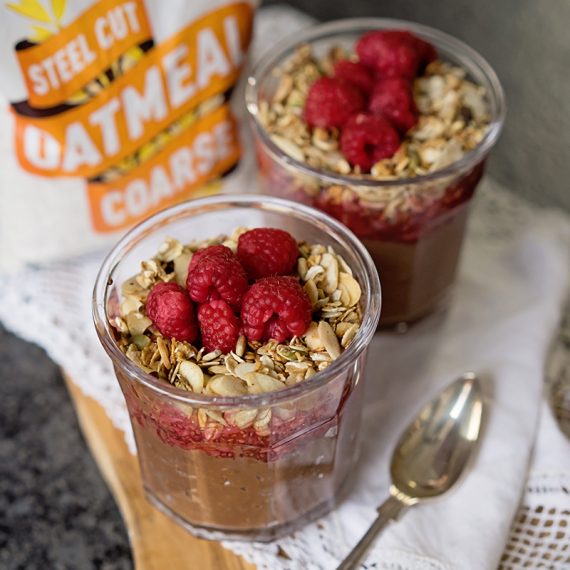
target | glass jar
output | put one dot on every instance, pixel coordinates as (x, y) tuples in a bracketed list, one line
[(416, 243), (285, 456)]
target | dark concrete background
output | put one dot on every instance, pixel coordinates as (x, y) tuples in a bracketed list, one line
[(55, 510)]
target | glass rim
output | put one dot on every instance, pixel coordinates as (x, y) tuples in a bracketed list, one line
[(370, 288), (441, 39)]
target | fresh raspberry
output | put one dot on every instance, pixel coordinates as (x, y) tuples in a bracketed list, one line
[(210, 251), (276, 308), (331, 102), (392, 99), (390, 53), (366, 139), (354, 73), (217, 276), (219, 326), (172, 312), (267, 251)]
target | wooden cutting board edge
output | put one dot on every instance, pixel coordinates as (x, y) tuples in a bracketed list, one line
[(157, 542)]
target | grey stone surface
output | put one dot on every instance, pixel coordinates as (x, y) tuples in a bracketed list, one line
[(528, 44), (56, 512)]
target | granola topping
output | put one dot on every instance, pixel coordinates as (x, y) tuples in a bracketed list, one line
[(453, 119), (251, 367)]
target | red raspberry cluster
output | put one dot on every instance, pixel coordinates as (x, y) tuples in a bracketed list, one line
[(252, 292), (371, 100)]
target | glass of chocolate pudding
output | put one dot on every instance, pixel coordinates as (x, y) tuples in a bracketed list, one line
[(253, 465), (407, 201)]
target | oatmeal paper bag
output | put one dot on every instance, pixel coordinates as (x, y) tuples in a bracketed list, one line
[(109, 111)]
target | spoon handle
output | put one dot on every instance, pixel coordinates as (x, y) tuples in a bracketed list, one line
[(389, 511)]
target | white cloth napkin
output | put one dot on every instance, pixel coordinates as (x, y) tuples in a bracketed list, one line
[(499, 322)]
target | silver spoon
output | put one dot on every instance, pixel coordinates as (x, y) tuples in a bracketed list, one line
[(430, 456)]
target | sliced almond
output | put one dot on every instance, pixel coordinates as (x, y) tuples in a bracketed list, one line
[(202, 418), (294, 367), (313, 272), (341, 328), (263, 418), (293, 379), (349, 334), (329, 339), (164, 352), (241, 345), (131, 287), (237, 358), (267, 361), (245, 368), (350, 288), (193, 374), (313, 338), (211, 356), (351, 317), (289, 147), (330, 279), (312, 291), (321, 303), (330, 313), (207, 382), (218, 369), (310, 372), (243, 418), (335, 296), (120, 325), (181, 264), (320, 357), (302, 267), (231, 244), (130, 303), (227, 385), (343, 265), (169, 250), (137, 323), (259, 383), (231, 364)]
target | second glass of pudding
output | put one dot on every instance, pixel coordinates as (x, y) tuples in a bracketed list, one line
[(412, 224), (252, 466)]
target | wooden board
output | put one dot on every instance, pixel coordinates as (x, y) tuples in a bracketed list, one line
[(156, 541)]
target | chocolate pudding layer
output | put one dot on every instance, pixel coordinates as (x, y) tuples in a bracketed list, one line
[(415, 276), (248, 490)]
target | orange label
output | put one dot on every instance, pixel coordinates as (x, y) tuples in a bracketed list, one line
[(57, 68), (202, 60), (207, 149)]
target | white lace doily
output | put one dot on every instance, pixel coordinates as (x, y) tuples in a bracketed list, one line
[(51, 307)]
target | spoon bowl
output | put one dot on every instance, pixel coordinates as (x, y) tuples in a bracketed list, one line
[(435, 448), (431, 456)]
